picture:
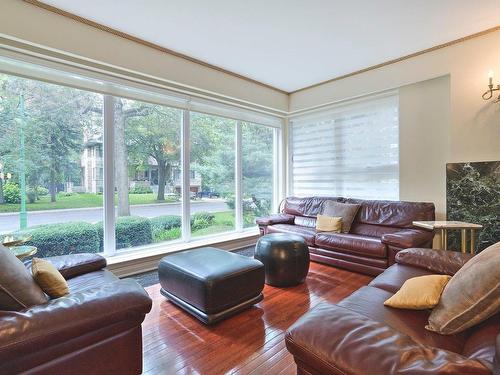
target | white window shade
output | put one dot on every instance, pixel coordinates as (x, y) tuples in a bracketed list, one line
[(350, 151)]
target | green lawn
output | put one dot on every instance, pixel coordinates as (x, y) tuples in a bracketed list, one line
[(77, 201), (223, 222)]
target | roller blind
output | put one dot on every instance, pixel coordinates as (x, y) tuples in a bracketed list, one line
[(350, 151)]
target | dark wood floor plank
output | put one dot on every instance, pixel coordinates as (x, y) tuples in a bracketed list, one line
[(251, 342)]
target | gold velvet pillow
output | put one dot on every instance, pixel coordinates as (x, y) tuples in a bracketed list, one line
[(49, 278), (419, 293), (328, 224)]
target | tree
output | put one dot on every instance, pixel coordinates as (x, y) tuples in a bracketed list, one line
[(212, 151), (53, 127), (156, 136)]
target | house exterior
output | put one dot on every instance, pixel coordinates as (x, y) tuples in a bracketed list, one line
[(92, 173)]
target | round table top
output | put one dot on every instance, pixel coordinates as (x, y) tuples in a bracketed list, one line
[(23, 251), (15, 239)]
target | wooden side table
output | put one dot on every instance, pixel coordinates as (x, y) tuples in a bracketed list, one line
[(444, 226)]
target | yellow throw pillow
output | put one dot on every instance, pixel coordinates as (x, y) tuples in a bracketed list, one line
[(49, 278), (328, 224), (419, 293)]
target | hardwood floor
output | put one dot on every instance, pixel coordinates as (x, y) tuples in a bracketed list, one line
[(251, 342)]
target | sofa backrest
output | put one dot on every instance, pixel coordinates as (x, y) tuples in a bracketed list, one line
[(385, 214)]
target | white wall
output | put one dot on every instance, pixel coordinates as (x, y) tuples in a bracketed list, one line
[(442, 120), (30, 23)]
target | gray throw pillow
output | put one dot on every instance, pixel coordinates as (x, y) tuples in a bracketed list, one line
[(471, 296), (347, 211), (18, 289)]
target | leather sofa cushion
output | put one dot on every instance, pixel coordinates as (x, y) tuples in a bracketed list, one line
[(311, 206), (481, 343), (306, 232), (369, 301), (372, 230), (369, 246), (90, 280), (392, 213), (18, 289), (394, 277), (303, 221)]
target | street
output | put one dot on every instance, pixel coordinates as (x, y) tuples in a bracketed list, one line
[(10, 221)]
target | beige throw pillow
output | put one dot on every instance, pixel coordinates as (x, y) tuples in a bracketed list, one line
[(419, 293), (49, 278), (347, 211), (18, 290), (328, 224), (471, 296)]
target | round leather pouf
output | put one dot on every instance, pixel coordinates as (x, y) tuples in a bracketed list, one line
[(285, 258)]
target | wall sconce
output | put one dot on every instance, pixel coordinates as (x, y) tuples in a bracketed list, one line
[(489, 94)]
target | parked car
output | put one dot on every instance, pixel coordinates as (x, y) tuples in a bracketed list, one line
[(208, 194)]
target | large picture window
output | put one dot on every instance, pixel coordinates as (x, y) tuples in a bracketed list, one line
[(349, 151), (82, 171), (51, 180)]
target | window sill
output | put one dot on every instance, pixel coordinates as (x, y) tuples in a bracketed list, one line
[(147, 259)]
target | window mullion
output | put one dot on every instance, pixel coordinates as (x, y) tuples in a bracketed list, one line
[(238, 196), (186, 181), (109, 177)]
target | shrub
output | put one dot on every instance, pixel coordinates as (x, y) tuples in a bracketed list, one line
[(130, 231), (141, 189), (63, 238), (41, 191), (31, 194), (161, 224), (11, 192), (168, 235), (202, 220), (34, 193)]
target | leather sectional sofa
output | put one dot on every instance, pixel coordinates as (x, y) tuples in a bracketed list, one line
[(359, 335), (380, 229), (96, 329)]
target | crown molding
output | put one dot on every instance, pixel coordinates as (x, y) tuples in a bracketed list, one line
[(121, 34), (399, 59)]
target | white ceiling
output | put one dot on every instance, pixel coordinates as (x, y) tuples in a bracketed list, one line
[(290, 44)]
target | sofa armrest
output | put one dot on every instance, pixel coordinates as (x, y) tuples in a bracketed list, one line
[(67, 318), (406, 238), (439, 261), (73, 265), (275, 219), (334, 340)]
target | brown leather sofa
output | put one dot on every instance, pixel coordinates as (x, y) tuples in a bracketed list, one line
[(380, 229), (359, 335), (96, 329)]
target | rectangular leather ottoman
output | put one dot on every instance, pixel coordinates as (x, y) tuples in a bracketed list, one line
[(211, 284)]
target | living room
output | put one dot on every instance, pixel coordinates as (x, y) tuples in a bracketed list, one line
[(265, 188)]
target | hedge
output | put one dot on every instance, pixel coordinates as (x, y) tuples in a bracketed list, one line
[(130, 231), (64, 238)]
